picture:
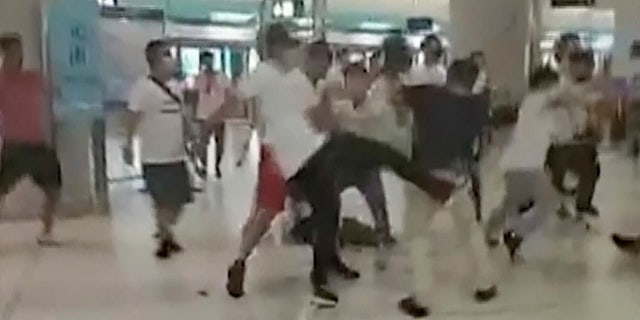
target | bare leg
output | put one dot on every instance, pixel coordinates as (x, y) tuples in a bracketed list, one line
[(52, 200), (219, 135)]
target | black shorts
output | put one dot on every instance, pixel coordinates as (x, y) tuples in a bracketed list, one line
[(37, 161), (169, 184)]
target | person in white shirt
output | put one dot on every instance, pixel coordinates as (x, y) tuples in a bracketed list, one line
[(432, 71), (577, 151), (156, 117), (212, 89), (523, 163), (281, 93)]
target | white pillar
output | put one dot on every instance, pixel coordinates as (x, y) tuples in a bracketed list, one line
[(501, 29), (626, 31), (72, 138)]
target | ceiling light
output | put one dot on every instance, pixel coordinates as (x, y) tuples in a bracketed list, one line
[(375, 26), (230, 17)]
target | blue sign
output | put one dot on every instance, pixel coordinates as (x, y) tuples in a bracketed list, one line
[(73, 44)]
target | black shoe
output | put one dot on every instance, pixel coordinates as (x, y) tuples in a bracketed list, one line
[(628, 245), (235, 279), (389, 241), (323, 297), (491, 242), (512, 241), (201, 171), (175, 247), (411, 307), (590, 211), (485, 295), (345, 271), (563, 213), (164, 250), (218, 173)]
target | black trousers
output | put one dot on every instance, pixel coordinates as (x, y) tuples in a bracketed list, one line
[(582, 160), (318, 182)]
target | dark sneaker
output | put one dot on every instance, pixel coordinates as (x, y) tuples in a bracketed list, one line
[(164, 250), (345, 271), (563, 213), (201, 171), (235, 279), (589, 211), (411, 307), (512, 241), (485, 295), (175, 247), (491, 242), (323, 297), (628, 245), (389, 240), (218, 173)]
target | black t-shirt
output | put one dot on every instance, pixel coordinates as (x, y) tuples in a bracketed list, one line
[(445, 126)]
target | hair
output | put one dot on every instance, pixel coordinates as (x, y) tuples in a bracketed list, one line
[(152, 50), (206, 55), (9, 40), (355, 68), (463, 72), (319, 49), (433, 38), (541, 76), (561, 44), (397, 54)]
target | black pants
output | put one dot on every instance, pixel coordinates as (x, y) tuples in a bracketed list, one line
[(582, 160), (318, 182)]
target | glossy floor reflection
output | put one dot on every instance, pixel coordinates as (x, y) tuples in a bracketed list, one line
[(106, 269)]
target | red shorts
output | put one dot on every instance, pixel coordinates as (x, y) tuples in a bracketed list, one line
[(271, 190)]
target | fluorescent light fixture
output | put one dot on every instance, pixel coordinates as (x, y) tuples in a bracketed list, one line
[(546, 44), (220, 33), (304, 22), (603, 42), (230, 17), (375, 26)]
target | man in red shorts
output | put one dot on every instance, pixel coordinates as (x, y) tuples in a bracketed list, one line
[(26, 152)]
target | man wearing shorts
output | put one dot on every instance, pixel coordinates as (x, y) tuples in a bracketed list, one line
[(156, 116), (25, 152)]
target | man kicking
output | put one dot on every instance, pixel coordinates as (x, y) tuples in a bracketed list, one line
[(447, 121)]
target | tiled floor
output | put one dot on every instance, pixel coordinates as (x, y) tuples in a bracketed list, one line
[(106, 269)]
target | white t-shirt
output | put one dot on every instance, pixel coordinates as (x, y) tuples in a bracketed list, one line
[(282, 99), (211, 93), (426, 75), (531, 136), (572, 117), (161, 127)]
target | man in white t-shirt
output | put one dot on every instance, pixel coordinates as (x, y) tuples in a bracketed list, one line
[(281, 93), (156, 117), (523, 162), (432, 71), (212, 88)]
